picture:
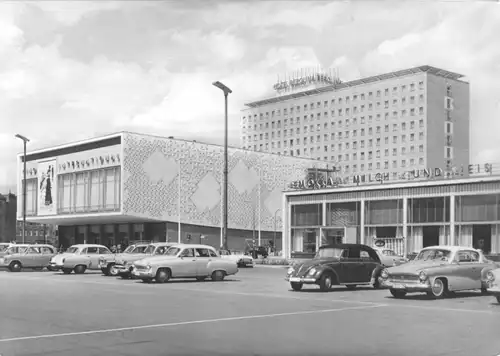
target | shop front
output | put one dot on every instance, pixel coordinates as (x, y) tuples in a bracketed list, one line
[(404, 217)]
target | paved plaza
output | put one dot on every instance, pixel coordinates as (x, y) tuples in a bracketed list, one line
[(252, 313)]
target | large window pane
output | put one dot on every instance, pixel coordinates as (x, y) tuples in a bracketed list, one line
[(307, 215), (31, 197), (428, 210), (342, 214), (110, 197), (94, 191), (477, 208), (80, 193), (384, 212), (304, 241)]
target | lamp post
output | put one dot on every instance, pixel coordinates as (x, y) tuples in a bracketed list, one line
[(274, 239), (253, 222), (25, 141), (226, 91)]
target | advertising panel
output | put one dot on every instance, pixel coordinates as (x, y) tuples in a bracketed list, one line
[(47, 189)]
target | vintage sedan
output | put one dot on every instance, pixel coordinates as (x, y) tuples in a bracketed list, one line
[(79, 258), (34, 257), (185, 261), (107, 262), (240, 259), (124, 262), (493, 281), (389, 258), (341, 264), (439, 271), (13, 249)]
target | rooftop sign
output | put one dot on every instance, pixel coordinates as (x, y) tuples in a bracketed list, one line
[(305, 77), (324, 181)]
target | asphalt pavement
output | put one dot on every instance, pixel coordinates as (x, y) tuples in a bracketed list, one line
[(252, 313)]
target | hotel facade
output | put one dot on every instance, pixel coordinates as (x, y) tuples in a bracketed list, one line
[(389, 123), (126, 187), (459, 207)]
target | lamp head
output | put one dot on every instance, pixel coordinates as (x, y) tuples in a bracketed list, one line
[(222, 87), (25, 139)]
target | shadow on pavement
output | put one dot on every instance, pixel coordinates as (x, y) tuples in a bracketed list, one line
[(189, 281), (337, 289), (458, 295)]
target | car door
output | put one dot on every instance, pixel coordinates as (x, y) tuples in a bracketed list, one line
[(185, 266), (350, 265), (92, 256), (203, 260), (467, 270), (29, 256), (47, 253), (369, 263)]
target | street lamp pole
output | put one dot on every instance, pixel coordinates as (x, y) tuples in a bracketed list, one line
[(226, 91), (25, 140)]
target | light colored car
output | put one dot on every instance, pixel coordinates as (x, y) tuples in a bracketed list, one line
[(13, 249), (389, 258), (33, 256), (439, 271), (107, 262), (185, 261), (122, 265), (241, 259), (493, 279), (79, 258)]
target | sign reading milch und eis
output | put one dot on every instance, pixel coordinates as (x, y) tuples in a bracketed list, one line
[(321, 178)]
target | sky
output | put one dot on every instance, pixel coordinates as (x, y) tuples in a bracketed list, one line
[(71, 70)]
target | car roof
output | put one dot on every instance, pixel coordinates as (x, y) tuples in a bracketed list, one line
[(193, 246), (162, 243), (87, 245), (346, 246), (450, 247)]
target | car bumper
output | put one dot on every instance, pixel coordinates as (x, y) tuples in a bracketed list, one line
[(413, 287), (123, 270), (303, 280), (143, 274), (495, 290), (55, 266)]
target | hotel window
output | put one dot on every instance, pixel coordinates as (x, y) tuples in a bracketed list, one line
[(403, 163), (318, 105), (332, 147), (32, 196), (403, 139), (370, 165), (449, 128), (354, 133), (421, 85), (355, 145), (318, 127), (403, 101), (403, 113), (378, 93), (370, 94), (403, 150), (347, 100), (370, 119), (266, 135), (386, 140), (362, 120), (346, 156), (332, 136), (412, 125), (394, 164), (325, 148), (311, 128), (347, 112), (386, 91), (332, 113), (412, 99), (370, 143), (279, 124), (362, 132), (362, 108), (403, 126), (261, 136), (421, 160), (421, 136), (318, 116), (394, 151), (347, 145), (386, 152), (340, 123), (412, 149), (340, 101), (340, 147), (421, 148), (386, 164), (311, 106), (378, 153), (412, 112), (386, 128), (421, 123), (403, 87), (370, 131), (421, 97), (362, 156), (305, 129), (305, 107), (412, 86), (267, 146), (318, 138), (333, 102), (297, 130), (339, 158), (412, 137), (394, 139), (347, 134), (378, 141), (362, 144), (325, 104), (378, 117), (339, 134), (395, 127), (378, 165), (394, 89), (370, 106), (354, 167), (421, 110), (386, 116), (386, 104), (340, 112), (355, 156), (394, 102), (412, 162), (394, 114), (272, 144)]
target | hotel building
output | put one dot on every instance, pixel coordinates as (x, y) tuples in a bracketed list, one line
[(389, 123), (126, 186)]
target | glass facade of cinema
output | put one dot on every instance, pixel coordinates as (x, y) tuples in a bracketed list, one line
[(406, 219)]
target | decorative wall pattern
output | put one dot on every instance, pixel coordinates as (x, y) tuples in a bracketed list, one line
[(154, 166)]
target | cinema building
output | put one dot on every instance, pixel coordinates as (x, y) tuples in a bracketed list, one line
[(126, 186), (431, 207)]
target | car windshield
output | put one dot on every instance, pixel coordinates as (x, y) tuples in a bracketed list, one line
[(72, 250), (150, 249), (3, 248), (129, 249), (140, 249), (435, 254), (173, 251), (328, 253)]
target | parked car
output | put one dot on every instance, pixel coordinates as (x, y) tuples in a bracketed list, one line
[(34, 256), (240, 259), (13, 249), (340, 264), (439, 271), (389, 258), (258, 250), (107, 262), (124, 263), (79, 258), (493, 283), (185, 261)]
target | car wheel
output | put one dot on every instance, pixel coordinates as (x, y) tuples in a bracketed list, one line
[(296, 286), (218, 275), (80, 269), (162, 276), (50, 269), (112, 270), (498, 299), (201, 279), (376, 283), (67, 270), (439, 288), (15, 267), (325, 282), (351, 286), (484, 291), (398, 293)]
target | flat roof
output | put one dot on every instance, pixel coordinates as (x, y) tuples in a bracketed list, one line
[(395, 185), (376, 78)]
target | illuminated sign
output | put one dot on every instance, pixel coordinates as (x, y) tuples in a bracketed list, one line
[(323, 181), (305, 77)]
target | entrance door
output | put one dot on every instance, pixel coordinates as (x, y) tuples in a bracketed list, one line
[(481, 238), (430, 236)]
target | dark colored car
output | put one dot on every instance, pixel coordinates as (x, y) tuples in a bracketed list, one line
[(341, 264), (261, 250)]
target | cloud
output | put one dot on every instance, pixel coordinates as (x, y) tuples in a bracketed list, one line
[(70, 13)]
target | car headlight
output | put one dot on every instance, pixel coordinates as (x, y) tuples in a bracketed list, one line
[(384, 274), (422, 276), (311, 271), (148, 266), (290, 270), (490, 276)]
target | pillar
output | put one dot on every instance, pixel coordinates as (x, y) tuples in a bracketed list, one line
[(405, 226), (285, 227), (323, 224), (362, 222), (452, 220)]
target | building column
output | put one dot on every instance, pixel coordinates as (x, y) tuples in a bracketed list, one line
[(405, 226), (285, 235), (362, 222), (323, 224), (452, 220)]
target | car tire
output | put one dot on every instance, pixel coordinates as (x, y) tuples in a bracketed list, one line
[(325, 282), (201, 279), (296, 286), (80, 269), (162, 275), (15, 267), (439, 288), (112, 271), (105, 271), (484, 291), (218, 275), (498, 299), (376, 284), (125, 276), (67, 270), (397, 293)]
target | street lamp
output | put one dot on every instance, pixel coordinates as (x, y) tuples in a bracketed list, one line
[(226, 91), (274, 240), (25, 141)]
